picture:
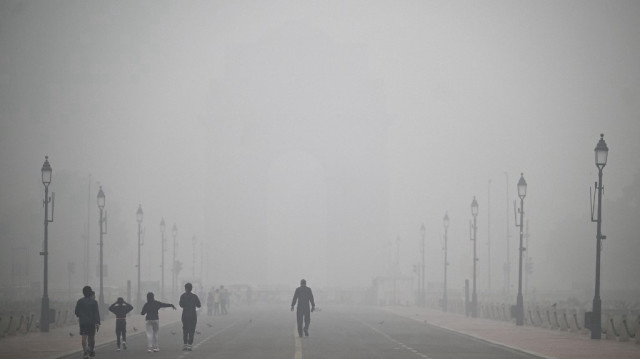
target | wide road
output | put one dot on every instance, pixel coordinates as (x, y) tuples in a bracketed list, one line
[(336, 332)]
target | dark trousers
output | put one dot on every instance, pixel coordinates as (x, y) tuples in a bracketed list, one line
[(188, 329), (303, 315), (121, 331)]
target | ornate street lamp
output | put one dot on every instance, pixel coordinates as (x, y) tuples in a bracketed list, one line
[(601, 152), (45, 315), (162, 228), (139, 216), (103, 230), (522, 192), (445, 222), (474, 295)]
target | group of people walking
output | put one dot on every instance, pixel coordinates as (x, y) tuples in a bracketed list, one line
[(89, 315), (89, 319), (218, 301)]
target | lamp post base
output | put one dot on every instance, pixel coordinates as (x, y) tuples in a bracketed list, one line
[(45, 315), (520, 310), (596, 323)]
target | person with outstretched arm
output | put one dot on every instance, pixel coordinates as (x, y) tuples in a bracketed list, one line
[(304, 296), (120, 308), (152, 318)]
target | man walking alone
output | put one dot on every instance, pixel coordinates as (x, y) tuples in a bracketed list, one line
[(304, 296)]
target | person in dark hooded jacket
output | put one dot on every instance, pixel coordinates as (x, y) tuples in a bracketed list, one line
[(120, 308), (89, 321), (150, 309)]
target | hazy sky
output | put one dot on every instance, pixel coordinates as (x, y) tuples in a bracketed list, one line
[(302, 138)]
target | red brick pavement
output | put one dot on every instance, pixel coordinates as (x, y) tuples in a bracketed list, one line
[(547, 343)]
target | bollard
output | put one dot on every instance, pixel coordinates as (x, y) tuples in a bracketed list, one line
[(19, 327), (10, 327), (29, 324), (566, 325), (610, 333), (623, 333), (555, 316), (638, 329)]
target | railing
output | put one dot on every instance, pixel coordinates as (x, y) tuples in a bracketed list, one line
[(22, 322), (618, 324)]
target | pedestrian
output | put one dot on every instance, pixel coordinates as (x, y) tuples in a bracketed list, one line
[(89, 321), (120, 308), (216, 302), (152, 318), (224, 300), (189, 302), (303, 295), (210, 302)]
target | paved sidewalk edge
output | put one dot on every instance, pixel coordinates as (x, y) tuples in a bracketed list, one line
[(79, 351), (475, 337)]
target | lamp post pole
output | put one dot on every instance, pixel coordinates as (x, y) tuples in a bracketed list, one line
[(422, 290), (139, 215), (474, 295), (46, 180), (174, 275), (162, 228), (102, 220), (522, 192), (445, 222), (601, 151)]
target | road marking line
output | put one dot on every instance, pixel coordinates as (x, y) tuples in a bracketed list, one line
[(195, 346), (406, 347), (298, 354)]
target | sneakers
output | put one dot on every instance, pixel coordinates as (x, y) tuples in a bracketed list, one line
[(92, 354), (306, 332), (85, 355), (189, 347), (117, 349), (149, 350), (185, 347), (124, 345), (156, 349)]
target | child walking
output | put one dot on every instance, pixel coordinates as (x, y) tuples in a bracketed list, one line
[(151, 308), (120, 308)]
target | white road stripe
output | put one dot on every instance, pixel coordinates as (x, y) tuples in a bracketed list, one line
[(396, 341), (298, 354)]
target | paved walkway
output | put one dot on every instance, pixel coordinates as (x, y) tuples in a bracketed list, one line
[(66, 340), (547, 343)]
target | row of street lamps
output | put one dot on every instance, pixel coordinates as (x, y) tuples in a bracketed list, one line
[(595, 325), (46, 313), (601, 153)]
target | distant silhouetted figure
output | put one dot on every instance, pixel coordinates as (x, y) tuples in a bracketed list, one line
[(224, 300), (210, 303), (120, 308), (304, 296), (89, 321), (189, 302), (152, 324), (216, 302)]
